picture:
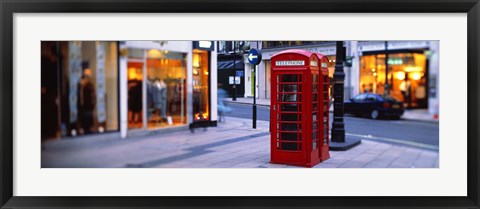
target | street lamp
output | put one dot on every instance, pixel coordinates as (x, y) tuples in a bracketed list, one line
[(338, 126), (385, 92)]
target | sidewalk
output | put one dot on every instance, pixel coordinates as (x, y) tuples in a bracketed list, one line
[(233, 144), (414, 114)]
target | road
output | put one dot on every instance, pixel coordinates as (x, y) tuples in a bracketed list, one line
[(411, 133)]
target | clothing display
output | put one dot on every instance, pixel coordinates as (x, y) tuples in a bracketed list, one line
[(135, 95), (157, 98), (86, 104)]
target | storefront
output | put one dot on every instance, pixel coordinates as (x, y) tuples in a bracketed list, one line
[(231, 75), (79, 90), (406, 79), (202, 97), (412, 76), (167, 85)]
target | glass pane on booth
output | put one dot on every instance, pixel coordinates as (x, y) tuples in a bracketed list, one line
[(315, 100), (289, 116), (326, 106)]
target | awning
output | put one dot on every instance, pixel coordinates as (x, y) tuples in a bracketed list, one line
[(226, 65)]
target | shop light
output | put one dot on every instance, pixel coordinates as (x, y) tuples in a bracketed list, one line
[(132, 73), (395, 61), (373, 69), (374, 74), (416, 76), (400, 75), (196, 60), (413, 69), (154, 53), (206, 73)]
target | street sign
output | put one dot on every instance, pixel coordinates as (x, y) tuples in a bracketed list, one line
[(254, 56), (239, 73)]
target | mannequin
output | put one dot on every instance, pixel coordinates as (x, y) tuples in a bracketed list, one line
[(160, 98), (86, 101)]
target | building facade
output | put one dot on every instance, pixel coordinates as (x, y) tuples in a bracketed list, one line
[(231, 66), (412, 75), (127, 88)]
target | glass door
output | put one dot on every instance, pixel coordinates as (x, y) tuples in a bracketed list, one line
[(288, 114), (135, 98)]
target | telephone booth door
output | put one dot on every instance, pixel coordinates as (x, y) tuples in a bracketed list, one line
[(288, 116)]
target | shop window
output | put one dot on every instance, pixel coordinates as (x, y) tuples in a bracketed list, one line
[(79, 88), (200, 86), (406, 78), (166, 92)]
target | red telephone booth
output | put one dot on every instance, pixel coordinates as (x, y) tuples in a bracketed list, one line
[(299, 108)]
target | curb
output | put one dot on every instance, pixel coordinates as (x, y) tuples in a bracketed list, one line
[(421, 120), (267, 105), (237, 102)]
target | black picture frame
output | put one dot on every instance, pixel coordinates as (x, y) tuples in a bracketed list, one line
[(10, 7)]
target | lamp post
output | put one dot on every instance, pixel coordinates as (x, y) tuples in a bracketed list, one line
[(338, 126), (385, 92), (234, 98)]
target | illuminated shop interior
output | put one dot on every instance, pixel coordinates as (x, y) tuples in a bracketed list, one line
[(406, 77), (79, 81), (166, 91), (200, 85)]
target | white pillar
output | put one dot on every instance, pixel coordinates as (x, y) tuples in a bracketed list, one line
[(123, 99), (213, 83), (355, 69), (248, 80), (261, 78), (190, 85)]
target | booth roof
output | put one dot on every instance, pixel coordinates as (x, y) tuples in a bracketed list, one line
[(299, 51)]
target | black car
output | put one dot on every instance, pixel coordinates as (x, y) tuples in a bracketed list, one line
[(374, 106)]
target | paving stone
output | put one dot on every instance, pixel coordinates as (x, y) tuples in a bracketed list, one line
[(221, 147), (377, 164), (426, 160), (406, 159), (354, 164), (437, 163), (327, 165)]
